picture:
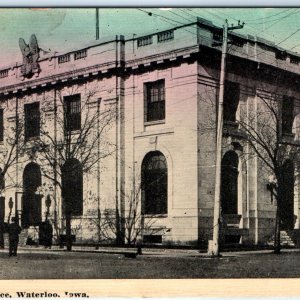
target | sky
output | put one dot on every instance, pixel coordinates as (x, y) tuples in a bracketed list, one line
[(59, 29)]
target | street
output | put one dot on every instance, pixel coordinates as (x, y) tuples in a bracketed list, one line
[(76, 265)]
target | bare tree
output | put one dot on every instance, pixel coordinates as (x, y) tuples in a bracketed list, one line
[(15, 145), (80, 134), (136, 223), (268, 131)]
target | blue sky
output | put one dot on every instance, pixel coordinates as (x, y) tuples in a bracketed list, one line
[(62, 28)]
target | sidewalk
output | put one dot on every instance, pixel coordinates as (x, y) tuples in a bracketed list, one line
[(146, 251)]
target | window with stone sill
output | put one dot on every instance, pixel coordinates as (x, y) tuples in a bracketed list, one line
[(154, 94), (287, 115), (231, 101), (72, 112), (32, 120)]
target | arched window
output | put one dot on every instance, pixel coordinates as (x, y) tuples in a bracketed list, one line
[(154, 184), (31, 210), (229, 183), (72, 187), (287, 209)]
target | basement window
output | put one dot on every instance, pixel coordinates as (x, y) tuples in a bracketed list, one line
[(152, 239)]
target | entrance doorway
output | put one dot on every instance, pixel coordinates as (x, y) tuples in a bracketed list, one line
[(31, 206), (229, 183), (287, 209)]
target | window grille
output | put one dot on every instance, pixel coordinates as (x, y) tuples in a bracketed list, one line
[(165, 36), (80, 54), (63, 59), (4, 73), (72, 111), (144, 41)]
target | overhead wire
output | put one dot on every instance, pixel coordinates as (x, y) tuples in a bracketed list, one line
[(268, 17)]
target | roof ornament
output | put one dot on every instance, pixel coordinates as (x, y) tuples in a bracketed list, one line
[(30, 55)]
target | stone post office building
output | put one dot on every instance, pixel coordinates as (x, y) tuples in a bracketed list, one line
[(159, 148)]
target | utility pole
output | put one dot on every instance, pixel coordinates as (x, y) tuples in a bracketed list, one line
[(213, 246), (97, 24)]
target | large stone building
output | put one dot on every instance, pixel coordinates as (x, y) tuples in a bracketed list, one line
[(143, 112)]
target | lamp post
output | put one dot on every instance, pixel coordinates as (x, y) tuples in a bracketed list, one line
[(48, 204), (16, 205), (10, 206)]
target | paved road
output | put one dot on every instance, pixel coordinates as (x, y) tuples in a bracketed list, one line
[(59, 264)]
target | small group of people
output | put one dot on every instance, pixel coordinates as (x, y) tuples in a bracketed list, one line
[(14, 229)]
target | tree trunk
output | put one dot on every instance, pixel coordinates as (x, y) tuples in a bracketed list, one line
[(277, 227), (1, 236), (68, 232)]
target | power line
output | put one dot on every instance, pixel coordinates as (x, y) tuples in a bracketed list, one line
[(268, 17), (281, 19)]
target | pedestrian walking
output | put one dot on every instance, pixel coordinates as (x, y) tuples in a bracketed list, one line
[(13, 232)]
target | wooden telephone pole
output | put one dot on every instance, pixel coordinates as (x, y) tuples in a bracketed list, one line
[(213, 246)]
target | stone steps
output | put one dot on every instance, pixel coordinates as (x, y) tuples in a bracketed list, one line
[(285, 240)]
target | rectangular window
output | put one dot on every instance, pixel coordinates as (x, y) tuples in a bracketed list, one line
[(165, 36), (154, 93), (72, 110), (287, 114), (80, 54), (4, 73), (231, 101), (32, 120), (294, 60), (63, 59), (282, 55), (144, 41), (1, 125)]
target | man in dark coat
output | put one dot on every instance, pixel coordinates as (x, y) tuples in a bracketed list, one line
[(48, 234), (13, 233)]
